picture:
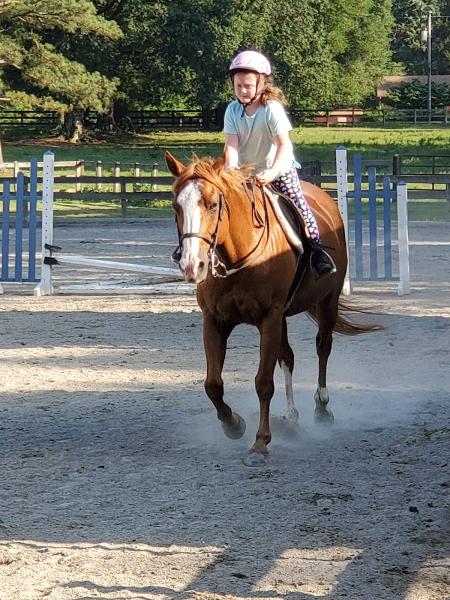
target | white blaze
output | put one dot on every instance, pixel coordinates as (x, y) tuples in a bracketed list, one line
[(189, 201)]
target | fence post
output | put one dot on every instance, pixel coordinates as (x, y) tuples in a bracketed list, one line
[(396, 170), (342, 190), (20, 200), (98, 173), (15, 173), (136, 173), (433, 170), (26, 180), (116, 173), (403, 242), (6, 197), (154, 174), (79, 172), (45, 286), (123, 198)]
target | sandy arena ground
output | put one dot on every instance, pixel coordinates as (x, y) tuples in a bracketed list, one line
[(117, 482)]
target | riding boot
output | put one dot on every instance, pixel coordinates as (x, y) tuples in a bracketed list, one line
[(322, 265)]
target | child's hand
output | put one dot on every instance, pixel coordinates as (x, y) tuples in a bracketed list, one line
[(265, 177)]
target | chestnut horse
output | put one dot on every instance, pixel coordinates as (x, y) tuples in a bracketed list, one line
[(233, 247)]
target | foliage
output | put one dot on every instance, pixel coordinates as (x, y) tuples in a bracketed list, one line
[(176, 54), (408, 48), (340, 55), (415, 95), (38, 72), (67, 54)]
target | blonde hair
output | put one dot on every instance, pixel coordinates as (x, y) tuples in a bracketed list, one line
[(271, 92)]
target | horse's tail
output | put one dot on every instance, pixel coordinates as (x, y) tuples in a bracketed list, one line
[(346, 326)]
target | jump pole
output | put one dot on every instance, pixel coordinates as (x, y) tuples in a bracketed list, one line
[(65, 259)]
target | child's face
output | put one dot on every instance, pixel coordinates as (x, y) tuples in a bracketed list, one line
[(245, 86)]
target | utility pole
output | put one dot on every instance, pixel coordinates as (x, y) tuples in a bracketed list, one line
[(429, 65)]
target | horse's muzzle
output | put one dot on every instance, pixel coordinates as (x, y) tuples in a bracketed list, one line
[(194, 269)]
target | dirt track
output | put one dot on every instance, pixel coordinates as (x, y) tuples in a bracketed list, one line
[(117, 482)]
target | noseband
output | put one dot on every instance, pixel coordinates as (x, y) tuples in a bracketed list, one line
[(214, 260)]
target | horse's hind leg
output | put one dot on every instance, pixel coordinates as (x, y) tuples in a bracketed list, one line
[(286, 362), (326, 313), (215, 336)]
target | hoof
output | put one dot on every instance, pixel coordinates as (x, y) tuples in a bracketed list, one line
[(284, 425), (236, 428), (323, 416), (255, 459), (292, 416), (322, 413)]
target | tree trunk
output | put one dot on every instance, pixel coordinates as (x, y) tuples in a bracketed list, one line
[(120, 115), (206, 117), (73, 126)]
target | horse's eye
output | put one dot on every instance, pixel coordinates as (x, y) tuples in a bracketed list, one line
[(213, 207)]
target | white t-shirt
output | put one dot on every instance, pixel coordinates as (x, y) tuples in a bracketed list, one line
[(256, 133)]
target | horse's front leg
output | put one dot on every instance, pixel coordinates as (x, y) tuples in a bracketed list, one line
[(215, 336), (270, 332)]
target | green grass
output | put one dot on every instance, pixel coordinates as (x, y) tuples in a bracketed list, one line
[(311, 143), (74, 209), (429, 210)]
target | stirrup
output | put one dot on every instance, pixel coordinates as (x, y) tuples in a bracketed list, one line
[(321, 263)]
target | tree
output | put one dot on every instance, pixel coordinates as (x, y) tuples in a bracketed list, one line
[(330, 53), (408, 49), (326, 53), (37, 72), (176, 54), (414, 95)]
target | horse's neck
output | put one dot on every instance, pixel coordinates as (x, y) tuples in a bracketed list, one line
[(244, 231)]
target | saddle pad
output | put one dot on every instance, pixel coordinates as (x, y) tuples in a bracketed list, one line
[(288, 218)]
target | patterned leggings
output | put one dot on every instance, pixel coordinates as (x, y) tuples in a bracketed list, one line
[(289, 184)]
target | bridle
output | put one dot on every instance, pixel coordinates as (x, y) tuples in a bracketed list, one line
[(214, 260)]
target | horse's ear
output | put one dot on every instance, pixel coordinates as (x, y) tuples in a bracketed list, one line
[(219, 163), (175, 166)]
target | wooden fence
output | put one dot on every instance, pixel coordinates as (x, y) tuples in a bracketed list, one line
[(98, 181), (130, 182), (147, 120)]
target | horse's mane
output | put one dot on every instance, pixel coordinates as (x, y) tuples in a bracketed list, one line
[(212, 170)]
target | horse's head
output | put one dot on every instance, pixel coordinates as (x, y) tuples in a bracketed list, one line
[(199, 207)]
